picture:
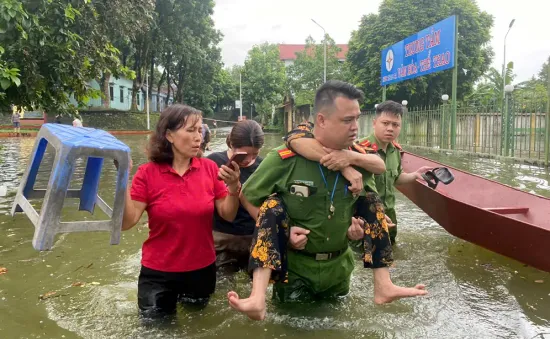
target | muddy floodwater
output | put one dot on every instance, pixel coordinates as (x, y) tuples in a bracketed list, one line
[(89, 287)]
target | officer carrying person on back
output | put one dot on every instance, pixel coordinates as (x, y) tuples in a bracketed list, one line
[(386, 129), (318, 222)]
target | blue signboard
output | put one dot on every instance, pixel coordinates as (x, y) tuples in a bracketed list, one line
[(428, 51)]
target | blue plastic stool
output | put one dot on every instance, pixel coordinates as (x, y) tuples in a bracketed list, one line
[(70, 144)]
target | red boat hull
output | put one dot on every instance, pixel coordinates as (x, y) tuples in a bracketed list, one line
[(484, 212)]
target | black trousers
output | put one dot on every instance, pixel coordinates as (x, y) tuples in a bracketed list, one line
[(160, 292)]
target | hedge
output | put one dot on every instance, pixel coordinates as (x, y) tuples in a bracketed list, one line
[(106, 120), (119, 120)]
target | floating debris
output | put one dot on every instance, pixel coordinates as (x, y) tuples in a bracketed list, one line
[(82, 266), (487, 266), (3, 270), (539, 281), (48, 295), (78, 284)]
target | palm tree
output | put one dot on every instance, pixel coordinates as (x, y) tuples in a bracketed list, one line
[(494, 79), (489, 91)]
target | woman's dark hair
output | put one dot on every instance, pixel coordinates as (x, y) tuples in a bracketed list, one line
[(171, 119), (246, 133)]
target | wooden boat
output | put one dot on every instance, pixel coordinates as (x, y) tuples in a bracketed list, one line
[(495, 216)]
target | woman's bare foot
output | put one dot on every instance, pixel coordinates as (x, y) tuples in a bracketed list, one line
[(389, 293), (253, 307)]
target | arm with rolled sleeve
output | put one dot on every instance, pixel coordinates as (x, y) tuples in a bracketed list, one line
[(301, 140)]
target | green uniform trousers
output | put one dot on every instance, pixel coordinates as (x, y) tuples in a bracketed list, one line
[(299, 276)]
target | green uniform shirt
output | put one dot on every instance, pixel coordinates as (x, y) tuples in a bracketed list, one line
[(385, 183), (306, 276), (277, 175)]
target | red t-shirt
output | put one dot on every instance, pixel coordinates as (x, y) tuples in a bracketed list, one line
[(180, 211)]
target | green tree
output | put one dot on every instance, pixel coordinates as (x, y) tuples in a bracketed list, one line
[(235, 72), (490, 90), (263, 78), (51, 49), (306, 74), (226, 90), (398, 19), (543, 74), (116, 19), (532, 95), (185, 45)]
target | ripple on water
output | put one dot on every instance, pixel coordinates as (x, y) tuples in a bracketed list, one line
[(539, 182)]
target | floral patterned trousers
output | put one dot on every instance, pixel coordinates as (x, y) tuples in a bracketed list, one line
[(271, 236)]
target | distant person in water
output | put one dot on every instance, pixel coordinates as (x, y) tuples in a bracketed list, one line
[(205, 143), (232, 239), (77, 122), (214, 129), (16, 121)]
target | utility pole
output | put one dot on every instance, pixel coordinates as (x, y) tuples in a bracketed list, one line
[(454, 89), (504, 63), (547, 126), (147, 99), (241, 92), (325, 57)]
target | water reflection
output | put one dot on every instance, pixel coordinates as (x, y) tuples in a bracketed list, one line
[(530, 178), (473, 292)]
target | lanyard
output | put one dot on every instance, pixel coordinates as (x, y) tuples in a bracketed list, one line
[(332, 209)]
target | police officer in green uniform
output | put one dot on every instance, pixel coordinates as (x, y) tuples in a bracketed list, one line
[(386, 129), (311, 208), (386, 126)]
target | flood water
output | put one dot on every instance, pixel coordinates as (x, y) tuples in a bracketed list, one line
[(473, 293)]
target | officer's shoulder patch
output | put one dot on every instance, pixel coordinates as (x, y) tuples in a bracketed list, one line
[(396, 145), (285, 153), (369, 146), (358, 148), (365, 143)]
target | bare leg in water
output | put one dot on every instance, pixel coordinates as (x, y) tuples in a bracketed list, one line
[(378, 252), (271, 232), (253, 306), (385, 291)]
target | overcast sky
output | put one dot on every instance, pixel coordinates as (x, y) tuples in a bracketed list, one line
[(248, 22)]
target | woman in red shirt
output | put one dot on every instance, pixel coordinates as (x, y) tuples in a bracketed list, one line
[(179, 191)]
